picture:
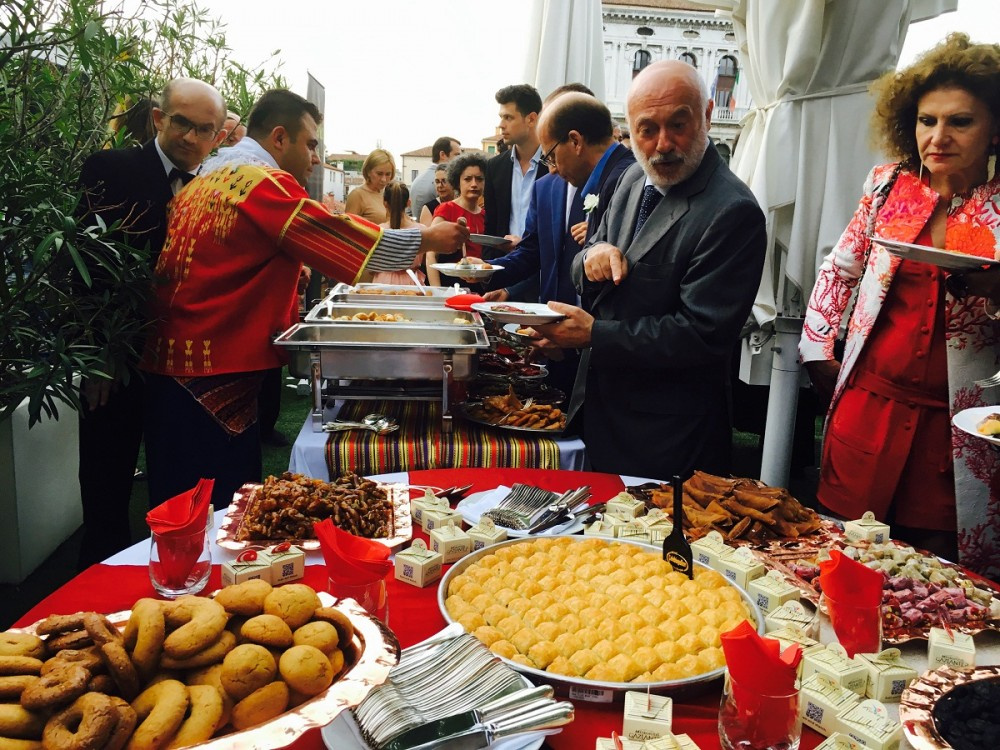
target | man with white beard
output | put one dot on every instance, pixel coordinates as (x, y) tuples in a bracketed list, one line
[(666, 283)]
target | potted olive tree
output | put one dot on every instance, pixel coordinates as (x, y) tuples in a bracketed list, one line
[(70, 291)]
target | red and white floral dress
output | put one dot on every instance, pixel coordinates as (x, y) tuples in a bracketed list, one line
[(912, 354)]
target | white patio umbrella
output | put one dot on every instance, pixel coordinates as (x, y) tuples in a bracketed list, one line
[(804, 152), (565, 45)]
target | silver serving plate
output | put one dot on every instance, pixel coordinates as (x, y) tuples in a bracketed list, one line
[(577, 688), (355, 294), (328, 312)]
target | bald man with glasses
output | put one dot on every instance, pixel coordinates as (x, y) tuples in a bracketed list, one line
[(133, 186)]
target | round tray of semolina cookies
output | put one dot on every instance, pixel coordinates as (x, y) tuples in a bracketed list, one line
[(596, 617), (366, 660)]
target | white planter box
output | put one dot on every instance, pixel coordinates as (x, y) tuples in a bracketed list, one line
[(39, 489)]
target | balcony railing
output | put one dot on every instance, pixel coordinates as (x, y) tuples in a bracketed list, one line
[(730, 116)]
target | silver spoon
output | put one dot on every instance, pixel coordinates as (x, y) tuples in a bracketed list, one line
[(416, 280)]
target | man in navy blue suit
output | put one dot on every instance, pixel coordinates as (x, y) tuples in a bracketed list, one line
[(575, 131)]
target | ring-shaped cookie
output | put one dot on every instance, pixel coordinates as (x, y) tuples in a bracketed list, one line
[(22, 644), (144, 635), (86, 724), (214, 654), (127, 719), (121, 669), (100, 629), (160, 710), (57, 688), (203, 717), (198, 621)]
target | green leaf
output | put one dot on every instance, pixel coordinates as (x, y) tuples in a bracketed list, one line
[(81, 267)]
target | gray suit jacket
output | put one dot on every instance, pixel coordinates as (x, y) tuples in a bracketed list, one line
[(653, 387)]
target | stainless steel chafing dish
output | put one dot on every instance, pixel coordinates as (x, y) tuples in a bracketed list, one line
[(357, 294), (328, 312), (382, 351)]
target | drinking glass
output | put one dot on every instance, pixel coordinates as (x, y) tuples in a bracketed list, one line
[(180, 564), (858, 628), (373, 597), (749, 720)]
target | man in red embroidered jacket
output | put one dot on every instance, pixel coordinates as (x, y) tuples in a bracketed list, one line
[(225, 284)]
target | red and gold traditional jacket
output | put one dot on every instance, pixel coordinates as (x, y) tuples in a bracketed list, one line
[(226, 280)]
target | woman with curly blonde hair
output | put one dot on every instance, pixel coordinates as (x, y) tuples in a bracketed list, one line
[(378, 169), (919, 335)]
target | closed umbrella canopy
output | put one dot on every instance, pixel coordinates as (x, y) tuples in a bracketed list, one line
[(566, 45)]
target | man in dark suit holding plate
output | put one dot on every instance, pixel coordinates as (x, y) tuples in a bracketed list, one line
[(667, 281)]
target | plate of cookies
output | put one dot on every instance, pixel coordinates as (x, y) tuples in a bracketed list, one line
[(254, 667), (607, 616)]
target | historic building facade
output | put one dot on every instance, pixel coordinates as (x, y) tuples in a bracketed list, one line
[(639, 32)]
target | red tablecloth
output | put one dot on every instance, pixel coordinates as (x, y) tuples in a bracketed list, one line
[(413, 613)]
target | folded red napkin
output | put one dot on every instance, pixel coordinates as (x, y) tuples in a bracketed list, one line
[(845, 580), (762, 685), (180, 525), (854, 602), (351, 560)]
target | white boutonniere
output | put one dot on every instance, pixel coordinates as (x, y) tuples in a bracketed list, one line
[(590, 202)]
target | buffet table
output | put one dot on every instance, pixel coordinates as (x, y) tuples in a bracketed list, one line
[(414, 615), (420, 444)]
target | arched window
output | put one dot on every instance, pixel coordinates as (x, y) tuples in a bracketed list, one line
[(725, 82), (641, 60), (689, 58)]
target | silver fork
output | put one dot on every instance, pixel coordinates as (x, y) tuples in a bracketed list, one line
[(990, 382)]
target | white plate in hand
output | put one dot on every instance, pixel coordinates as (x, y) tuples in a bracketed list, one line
[(941, 258), (473, 506), (523, 313), (489, 240), (968, 421), (464, 271)]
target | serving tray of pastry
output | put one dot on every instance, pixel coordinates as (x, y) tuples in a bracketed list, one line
[(509, 411), (595, 617), (285, 508), (255, 667)]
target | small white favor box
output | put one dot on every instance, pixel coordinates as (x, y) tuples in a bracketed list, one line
[(604, 526), (647, 717), (419, 505), (450, 541), (710, 549), (634, 531), (838, 741), (671, 742), (656, 520), (888, 676), (791, 614), (606, 743), (834, 662), (438, 513), (245, 567), (953, 649), (418, 565), (625, 506), (821, 700), (486, 533), (866, 529), (741, 567), (771, 590), (869, 724), (288, 563)]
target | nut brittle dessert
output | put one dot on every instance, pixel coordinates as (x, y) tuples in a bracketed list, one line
[(286, 507)]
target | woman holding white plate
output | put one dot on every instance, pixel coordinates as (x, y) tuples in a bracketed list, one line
[(919, 335), (467, 174)]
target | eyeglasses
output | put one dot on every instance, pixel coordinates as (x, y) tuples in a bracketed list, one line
[(182, 126), (547, 159)]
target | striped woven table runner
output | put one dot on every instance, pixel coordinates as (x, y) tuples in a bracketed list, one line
[(420, 444)]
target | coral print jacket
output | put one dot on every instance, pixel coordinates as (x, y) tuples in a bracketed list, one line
[(973, 340)]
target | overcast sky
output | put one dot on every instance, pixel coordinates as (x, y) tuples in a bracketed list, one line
[(399, 73)]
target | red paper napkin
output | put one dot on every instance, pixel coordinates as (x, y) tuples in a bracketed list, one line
[(180, 524), (351, 560), (758, 664), (764, 701), (845, 580)]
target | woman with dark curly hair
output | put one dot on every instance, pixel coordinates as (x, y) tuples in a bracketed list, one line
[(918, 336), (467, 174)]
